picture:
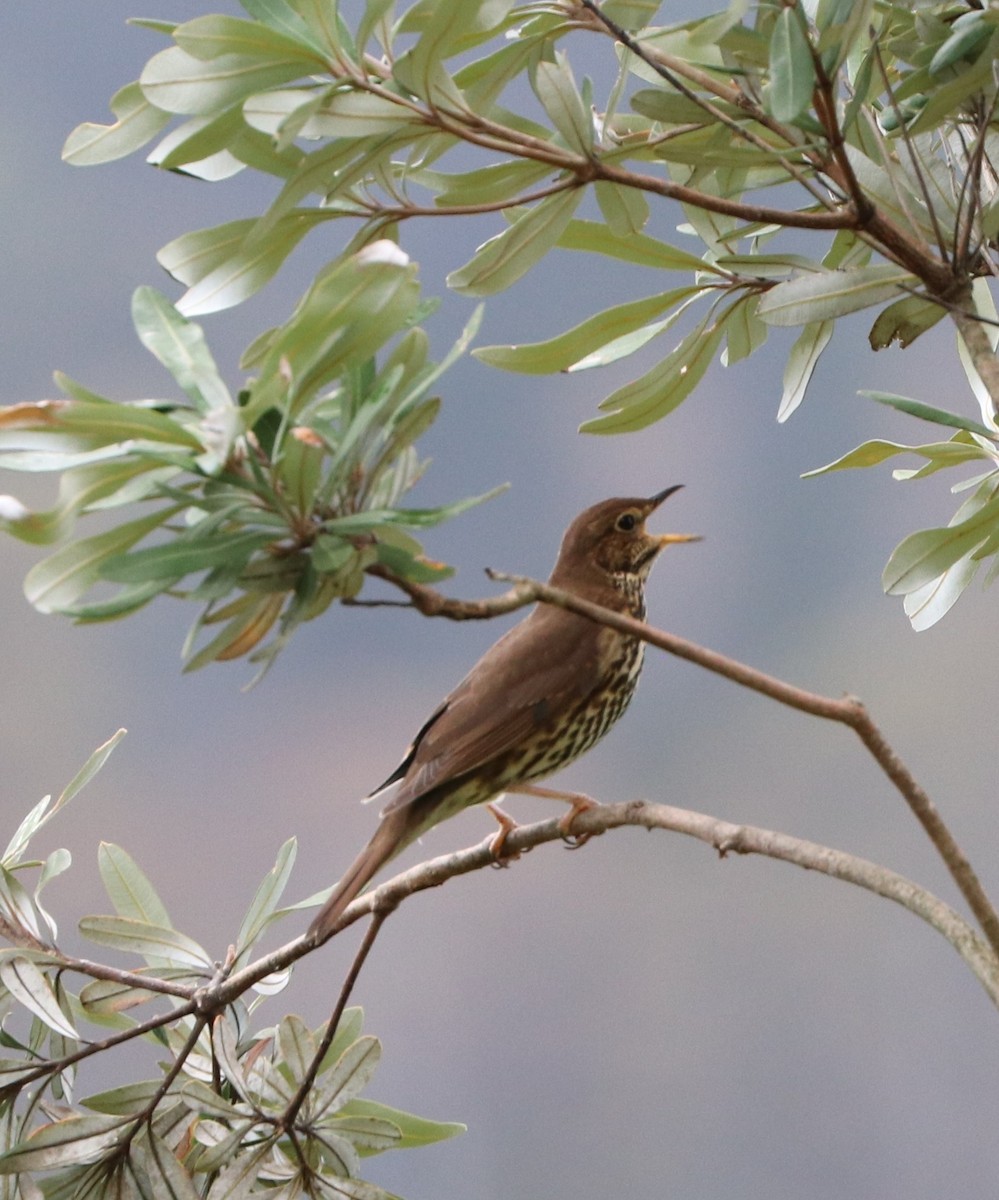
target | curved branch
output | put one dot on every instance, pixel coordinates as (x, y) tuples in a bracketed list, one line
[(724, 836), (847, 711)]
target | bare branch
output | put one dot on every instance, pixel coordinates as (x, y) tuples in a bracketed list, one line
[(726, 838)]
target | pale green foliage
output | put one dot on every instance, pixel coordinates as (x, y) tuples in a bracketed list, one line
[(212, 1124), (870, 124), (278, 500)]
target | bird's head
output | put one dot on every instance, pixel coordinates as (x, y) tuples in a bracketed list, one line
[(609, 542)]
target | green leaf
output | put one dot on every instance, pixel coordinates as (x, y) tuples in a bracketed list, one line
[(213, 36), (986, 309), (296, 1047), (921, 557), (177, 82), (416, 1131), (266, 899), (167, 1177), (353, 307), (970, 30), (143, 937), (173, 560), (801, 361), (281, 15), (340, 114), (503, 259), (414, 517), (31, 988), (253, 618), (745, 333), (368, 1135), (555, 87), (926, 605), (108, 997), (72, 426), (871, 453), (904, 321), (625, 209), (138, 122), (62, 1143), (180, 346), (247, 263), (926, 412), (409, 566), (664, 388), (560, 353), (831, 294), (128, 888), (57, 582), (486, 185), (349, 1076), (792, 71), (123, 1100), (644, 251), (87, 772)]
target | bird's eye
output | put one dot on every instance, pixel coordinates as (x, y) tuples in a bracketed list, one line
[(627, 522)]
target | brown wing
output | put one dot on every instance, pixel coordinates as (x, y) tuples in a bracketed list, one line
[(542, 667)]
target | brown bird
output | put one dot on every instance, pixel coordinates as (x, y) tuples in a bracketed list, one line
[(542, 695)]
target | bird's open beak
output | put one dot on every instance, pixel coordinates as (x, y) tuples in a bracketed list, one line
[(668, 539)]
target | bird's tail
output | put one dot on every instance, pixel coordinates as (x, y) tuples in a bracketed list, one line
[(385, 844)]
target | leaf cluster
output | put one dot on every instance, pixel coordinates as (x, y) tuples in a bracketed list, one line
[(234, 1112), (263, 508), (879, 116)]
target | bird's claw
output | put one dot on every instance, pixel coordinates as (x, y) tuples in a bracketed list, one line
[(497, 845), (579, 804)]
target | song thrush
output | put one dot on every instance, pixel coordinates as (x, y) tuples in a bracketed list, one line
[(543, 694)]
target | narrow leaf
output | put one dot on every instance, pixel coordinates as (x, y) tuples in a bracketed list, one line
[(662, 389), (416, 1131), (138, 122), (792, 71), (62, 1143), (350, 1075), (556, 89), (503, 259), (831, 294), (267, 897), (921, 557), (30, 987), (180, 346), (559, 353), (801, 361), (145, 938), (58, 581), (89, 769), (927, 412), (128, 888)]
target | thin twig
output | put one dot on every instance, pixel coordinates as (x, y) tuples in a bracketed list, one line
[(380, 915), (53, 1066)]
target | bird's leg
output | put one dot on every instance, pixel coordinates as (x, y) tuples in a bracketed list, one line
[(506, 826), (577, 801)]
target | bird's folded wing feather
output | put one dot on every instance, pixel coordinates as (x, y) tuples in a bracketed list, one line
[(544, 666)]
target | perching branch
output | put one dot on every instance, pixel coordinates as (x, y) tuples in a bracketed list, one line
[(847, 711), (726, 838)]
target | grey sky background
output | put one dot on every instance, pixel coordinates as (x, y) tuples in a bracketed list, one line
[(638, 1018)]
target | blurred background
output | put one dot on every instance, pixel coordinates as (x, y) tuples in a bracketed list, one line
[(639, 1018)]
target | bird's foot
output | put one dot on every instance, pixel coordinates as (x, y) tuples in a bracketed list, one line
[(578, 803), (498, 845)]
